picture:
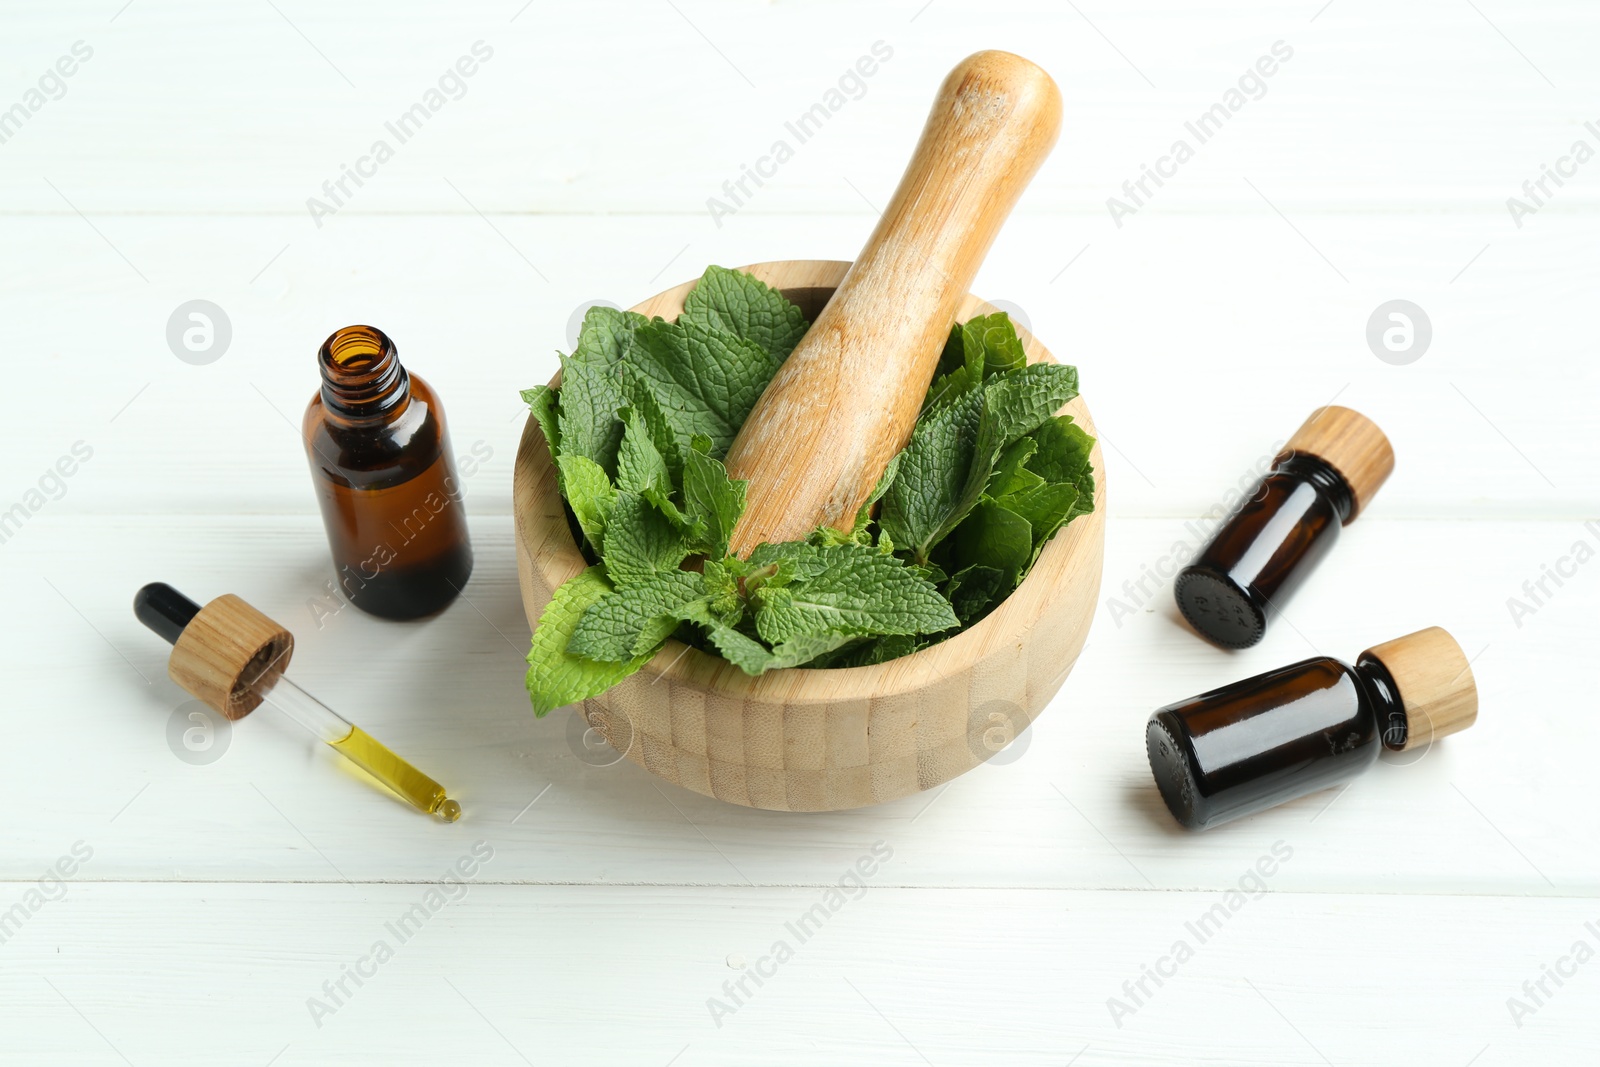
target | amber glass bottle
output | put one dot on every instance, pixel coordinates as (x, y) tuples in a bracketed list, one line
[(385, 477), (1326, 474), (1314, 724)]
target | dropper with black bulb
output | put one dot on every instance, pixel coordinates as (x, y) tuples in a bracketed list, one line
[(233, 658)]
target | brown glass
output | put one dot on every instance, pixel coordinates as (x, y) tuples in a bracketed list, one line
[(386, 480), (1264, 551), (1248, 746)]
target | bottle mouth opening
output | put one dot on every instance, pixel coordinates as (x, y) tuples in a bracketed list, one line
[(356, 351), (361, 373)]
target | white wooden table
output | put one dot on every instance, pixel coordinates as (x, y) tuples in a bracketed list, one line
[(214, 910)]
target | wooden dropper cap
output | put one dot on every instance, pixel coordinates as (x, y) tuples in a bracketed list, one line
[(1351, 444), (1434, 681), (221, 652)]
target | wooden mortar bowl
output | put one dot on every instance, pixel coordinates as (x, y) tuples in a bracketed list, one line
[(825, 740)]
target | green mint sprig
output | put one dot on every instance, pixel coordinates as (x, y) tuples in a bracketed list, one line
[(645, 413)]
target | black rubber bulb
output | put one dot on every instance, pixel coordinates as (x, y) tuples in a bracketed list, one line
[(164, 610)]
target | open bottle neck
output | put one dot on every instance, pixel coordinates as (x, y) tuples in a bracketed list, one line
[(362, 378)]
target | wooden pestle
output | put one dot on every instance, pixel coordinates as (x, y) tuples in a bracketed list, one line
[(846, 399)]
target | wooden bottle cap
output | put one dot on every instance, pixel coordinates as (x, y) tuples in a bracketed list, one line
[(227, 649), (1435, 683), (1351, 444)]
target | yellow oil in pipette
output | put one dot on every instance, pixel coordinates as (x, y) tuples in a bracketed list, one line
[(355, 745), (408, 783)]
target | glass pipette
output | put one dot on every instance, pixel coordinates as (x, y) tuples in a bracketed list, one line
[(233, 657)]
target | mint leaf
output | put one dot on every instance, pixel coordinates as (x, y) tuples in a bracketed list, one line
[(854, 589), (953, 451), (704, 380), (801, 650), (586, 422), (541, 400), (996, 339), (977, 350), (885, 480), (751, 656), (995, 536), (1045, 504), (589, 494), (865, 653), (662, 499), (724, 600), (712, 502), (591, 390), (656, 423), (960, 370), (1012, 404), (960, 351), (555, 676), (974, 591), (746, 653), (1047, 508), (930, 493), (1010, 476), (640, 465), (733, 302), (948, 389), (1018, 402), (779, 564), (640, 541), (1063, 456), (607, 335), (635, 619)]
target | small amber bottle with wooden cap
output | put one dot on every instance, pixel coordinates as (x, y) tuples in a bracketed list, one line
[(1326, 474), (1248, 746), (380, 459)]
